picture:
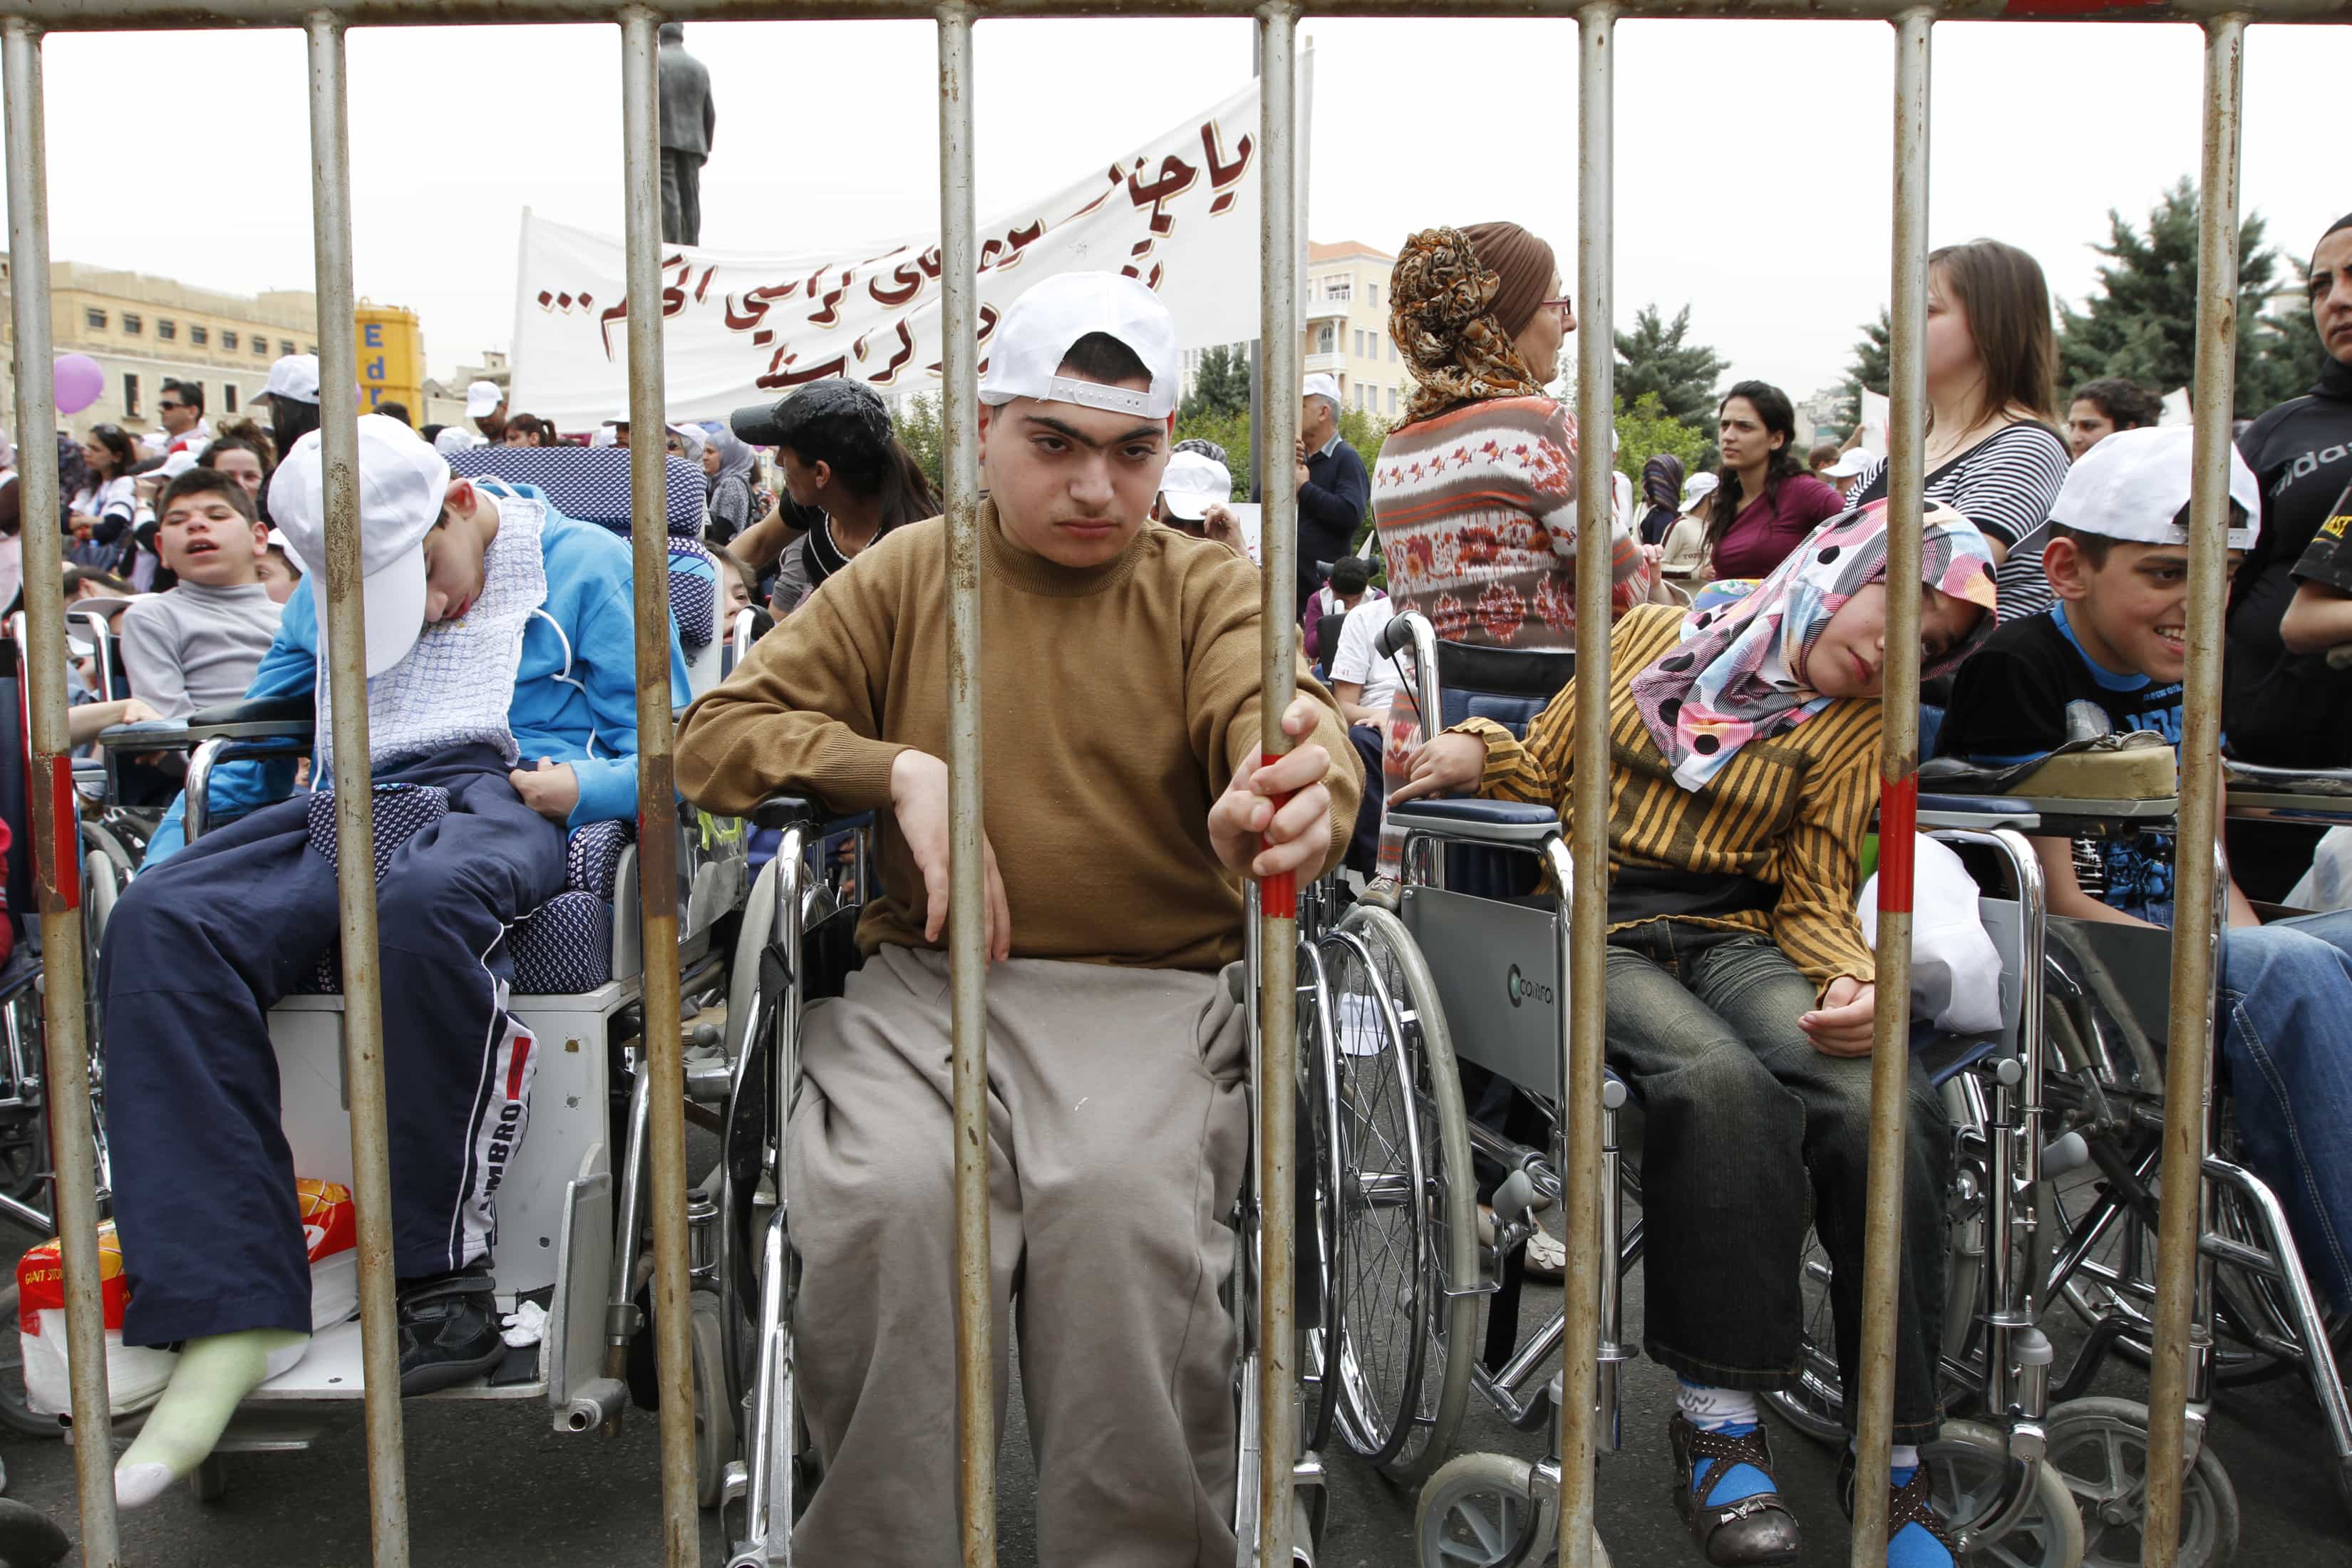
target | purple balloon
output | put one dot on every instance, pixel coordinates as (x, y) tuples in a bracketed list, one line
[(78, 380)]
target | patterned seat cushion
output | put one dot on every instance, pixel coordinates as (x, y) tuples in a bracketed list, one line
[(564, 947), (693, 593), (402, 811), (590, 483), (595, 857)]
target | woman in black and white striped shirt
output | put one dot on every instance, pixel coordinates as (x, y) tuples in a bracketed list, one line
[(1994, 454)]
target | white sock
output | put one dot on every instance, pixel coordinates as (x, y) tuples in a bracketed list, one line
[(1709, 1408), (1903, 1456)]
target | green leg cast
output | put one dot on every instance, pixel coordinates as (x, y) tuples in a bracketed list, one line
[(215, 1374)]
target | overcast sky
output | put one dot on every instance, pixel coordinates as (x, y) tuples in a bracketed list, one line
[(1753, 163)]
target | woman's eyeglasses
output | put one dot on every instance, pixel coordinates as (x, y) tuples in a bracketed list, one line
[(1566, 307)]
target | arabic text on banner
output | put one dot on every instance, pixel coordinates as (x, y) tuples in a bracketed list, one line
[(1180, 212)]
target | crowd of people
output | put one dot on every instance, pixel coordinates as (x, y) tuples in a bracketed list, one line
[(1748, 616)]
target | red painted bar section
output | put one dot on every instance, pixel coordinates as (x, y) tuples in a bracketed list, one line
[(1898, 823)]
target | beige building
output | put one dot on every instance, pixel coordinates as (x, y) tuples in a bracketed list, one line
[(142, 330), (1345, 314)]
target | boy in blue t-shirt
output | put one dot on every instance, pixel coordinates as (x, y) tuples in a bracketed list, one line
[(2110, 656)]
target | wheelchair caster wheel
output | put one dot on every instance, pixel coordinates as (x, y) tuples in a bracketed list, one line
[(1490, 1511), (714, 1415), (28, 1538), (209, 1481), (2099, 1447), (1994, 1518)]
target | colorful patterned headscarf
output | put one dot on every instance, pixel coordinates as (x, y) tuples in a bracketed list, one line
[(1442, 319), (1734, 676)]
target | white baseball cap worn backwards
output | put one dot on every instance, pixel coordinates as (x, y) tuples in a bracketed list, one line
[(2132, 484), (1026, 355)]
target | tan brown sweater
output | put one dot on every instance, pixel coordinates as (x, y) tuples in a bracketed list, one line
[(1116, 703)]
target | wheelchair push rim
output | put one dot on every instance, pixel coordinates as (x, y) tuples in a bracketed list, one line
[(1408, 1267)]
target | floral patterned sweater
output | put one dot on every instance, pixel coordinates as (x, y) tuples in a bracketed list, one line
[(1476, 514)]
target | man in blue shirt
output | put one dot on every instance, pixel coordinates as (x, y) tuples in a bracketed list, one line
[(502, 712), (1333, 488)]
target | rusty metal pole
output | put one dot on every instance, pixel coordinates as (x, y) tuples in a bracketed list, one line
[(1277, 936), (967, 864), (2173, 1380), (1588, 985), (56, 827), (662, 1054), (1898, 793), (346, 632)]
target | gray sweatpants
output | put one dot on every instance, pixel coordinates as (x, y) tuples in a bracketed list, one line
[(1118, 1129)]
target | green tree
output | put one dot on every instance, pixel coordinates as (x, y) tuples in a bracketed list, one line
[(1220, 384), (1645, 430), (2142, 324), (1656, 361), (923, 433), (1871, 370)]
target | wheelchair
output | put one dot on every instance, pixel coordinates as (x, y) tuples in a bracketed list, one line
[(1468, 972), (797, 944), (2087, 1245), (573, 1208)]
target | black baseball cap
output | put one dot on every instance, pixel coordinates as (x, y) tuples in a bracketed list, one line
[(826, 419)]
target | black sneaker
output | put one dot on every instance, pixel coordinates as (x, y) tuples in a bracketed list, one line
[(448, 1331)]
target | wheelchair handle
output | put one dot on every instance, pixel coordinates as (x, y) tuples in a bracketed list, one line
[(1277, 894)]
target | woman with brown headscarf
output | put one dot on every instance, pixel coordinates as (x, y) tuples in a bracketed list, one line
[(1474, 495)]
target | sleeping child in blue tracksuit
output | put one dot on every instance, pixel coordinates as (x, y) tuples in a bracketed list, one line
[(502, 669)]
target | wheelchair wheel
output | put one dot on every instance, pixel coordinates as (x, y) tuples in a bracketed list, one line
[(2099, 1447), (2251, 1312), (1408, 1247), (1318, 1245), (1970, 1470), (714, 1407), (1488, 1510), (1816, 1406)]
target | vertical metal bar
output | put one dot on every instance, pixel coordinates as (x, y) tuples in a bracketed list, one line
[(1277, 1104), (664, 1054), (330, 196), (1587, 951), (55, 824), (2188, 1078), (967, 865), (1898, 793)]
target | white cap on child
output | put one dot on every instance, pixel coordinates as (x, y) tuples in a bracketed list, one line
[(403, 485), (2132, 484), (1037, 333)]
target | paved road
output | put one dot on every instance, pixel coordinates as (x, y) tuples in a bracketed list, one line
[(494, 1485)]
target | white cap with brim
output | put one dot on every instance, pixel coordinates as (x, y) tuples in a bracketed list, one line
[(404, 484), (2132, 486), (1025, 357), (296, 376), (1698, 488), (483, 398), (1193, 482), (1851, 464), (1321, 385)]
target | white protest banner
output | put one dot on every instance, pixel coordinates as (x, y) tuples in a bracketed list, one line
[(1877, 419), (1181, 214)]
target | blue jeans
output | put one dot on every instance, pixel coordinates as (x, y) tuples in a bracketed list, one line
[(1748, 1133), (2286, 992)]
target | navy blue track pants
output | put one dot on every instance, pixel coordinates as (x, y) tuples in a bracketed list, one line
[(198, 951)]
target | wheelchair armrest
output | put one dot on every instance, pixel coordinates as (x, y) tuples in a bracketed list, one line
[(803, 811), (265, 718), (2286, 781), (1504, 823)]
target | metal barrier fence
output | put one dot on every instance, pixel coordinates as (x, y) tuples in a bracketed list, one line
[(2181, 1369)]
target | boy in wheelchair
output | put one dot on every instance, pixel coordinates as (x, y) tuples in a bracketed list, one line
[(2110, 655), (1744, 744), (499, 635), (1125, 804)]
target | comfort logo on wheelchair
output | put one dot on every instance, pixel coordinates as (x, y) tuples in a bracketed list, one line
[(1518, 986)]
